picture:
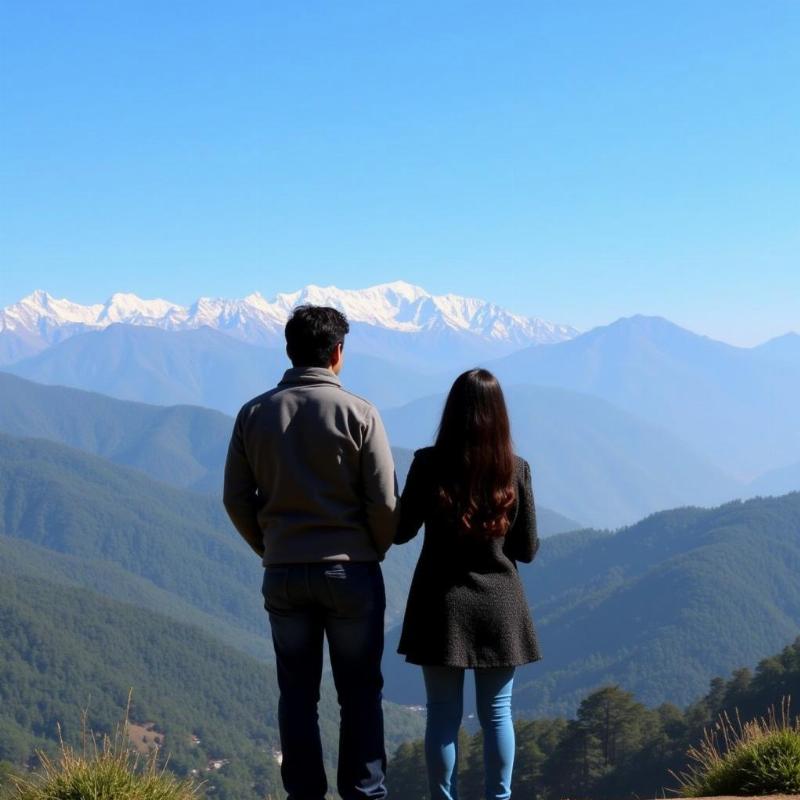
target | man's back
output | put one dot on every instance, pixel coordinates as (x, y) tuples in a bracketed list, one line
[(310, 485), (323, 467)]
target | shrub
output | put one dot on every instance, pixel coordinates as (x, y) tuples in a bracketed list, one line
[(759, 757)]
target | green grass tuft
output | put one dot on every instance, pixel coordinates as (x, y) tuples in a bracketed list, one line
[(112, 770), (759, 757)]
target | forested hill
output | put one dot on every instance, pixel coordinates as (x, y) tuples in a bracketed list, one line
[(662, 606), (178, 541), (181, 445), (171, 541), (659, 607), (64, 649)]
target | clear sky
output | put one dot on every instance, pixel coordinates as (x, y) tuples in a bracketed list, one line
[(578, 161)]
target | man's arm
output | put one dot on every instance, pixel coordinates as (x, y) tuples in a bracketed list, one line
[(379, 483), (239, 492)]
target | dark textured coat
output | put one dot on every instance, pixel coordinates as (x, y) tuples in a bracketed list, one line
[(466, 606)]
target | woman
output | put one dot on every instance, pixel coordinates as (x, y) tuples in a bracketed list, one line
[(466, 607)]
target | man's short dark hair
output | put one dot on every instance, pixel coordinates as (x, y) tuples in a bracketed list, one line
[(312, 334)]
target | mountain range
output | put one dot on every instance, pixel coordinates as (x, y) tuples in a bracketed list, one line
[(115, 422), (785, 349), (396, 316), (653, 415), (736, 405)]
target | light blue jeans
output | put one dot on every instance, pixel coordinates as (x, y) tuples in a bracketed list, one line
[(445, 689)]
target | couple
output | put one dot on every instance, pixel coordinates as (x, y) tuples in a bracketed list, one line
[(310, 485)]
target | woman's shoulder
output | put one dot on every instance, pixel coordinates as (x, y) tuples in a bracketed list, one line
[(521, 465), (421, 462), (424, 454)]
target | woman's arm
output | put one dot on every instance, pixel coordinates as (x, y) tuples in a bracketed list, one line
[(412, 503), (522, 539)]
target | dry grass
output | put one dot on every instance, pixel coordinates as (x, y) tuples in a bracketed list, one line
[(759, 757), (113, 770)]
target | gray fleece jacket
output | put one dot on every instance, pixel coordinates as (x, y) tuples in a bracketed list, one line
[(309, 474)]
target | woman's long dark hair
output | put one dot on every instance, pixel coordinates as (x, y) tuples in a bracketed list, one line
[(475, 458)]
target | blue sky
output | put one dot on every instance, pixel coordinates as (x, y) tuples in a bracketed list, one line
[(578, 161)]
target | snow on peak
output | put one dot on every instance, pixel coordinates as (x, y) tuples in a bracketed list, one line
[(399, 306), (40, 311), (38, 297), (130, 308)]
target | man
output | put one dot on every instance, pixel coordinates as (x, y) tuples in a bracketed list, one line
[(310, 485)]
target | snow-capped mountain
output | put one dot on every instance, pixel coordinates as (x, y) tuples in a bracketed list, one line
[(40, 320), (48, 317), (403, 307)]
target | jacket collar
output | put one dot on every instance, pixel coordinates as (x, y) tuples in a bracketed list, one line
[(302, 376)]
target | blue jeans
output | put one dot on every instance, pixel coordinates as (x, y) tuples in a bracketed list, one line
[(445, 689), (346, 602)]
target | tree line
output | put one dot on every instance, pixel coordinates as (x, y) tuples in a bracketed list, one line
[(615, 747)]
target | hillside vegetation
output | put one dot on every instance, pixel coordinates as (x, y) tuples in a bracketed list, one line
[(615, 746), (64, 649), (114, 518), (662, 606), (183, 445), (21, 558), (82, 505), (659, 607)]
